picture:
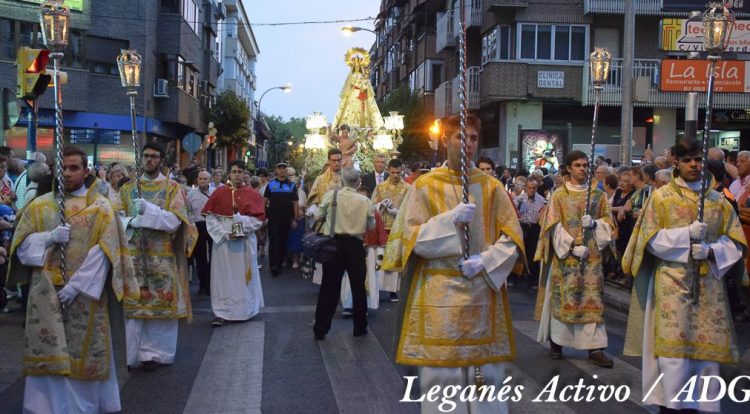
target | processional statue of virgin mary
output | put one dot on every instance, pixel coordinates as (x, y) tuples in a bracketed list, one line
[(358, 113)]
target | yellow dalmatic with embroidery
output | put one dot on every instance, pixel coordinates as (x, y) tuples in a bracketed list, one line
[(160, 258), (324, 183), (682, 330), (394, 192), (576, 297), (449, 320), (79, 347)]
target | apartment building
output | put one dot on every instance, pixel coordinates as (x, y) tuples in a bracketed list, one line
[(528, 70), (178, 42)]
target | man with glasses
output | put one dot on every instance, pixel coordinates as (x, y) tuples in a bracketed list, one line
[(530, 204), (681, 326), (160, 239), (236, 293)]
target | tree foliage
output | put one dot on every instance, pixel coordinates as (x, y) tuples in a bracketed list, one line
[(231, 118), (417, 121)]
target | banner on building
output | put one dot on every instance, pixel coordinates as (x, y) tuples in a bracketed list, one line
[(686, 35), (541, 148), (692, 76), (741, 6)]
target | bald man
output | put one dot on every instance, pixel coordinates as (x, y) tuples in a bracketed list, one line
[(197, 198)]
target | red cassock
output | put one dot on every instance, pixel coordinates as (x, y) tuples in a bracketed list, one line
[(248, 200)]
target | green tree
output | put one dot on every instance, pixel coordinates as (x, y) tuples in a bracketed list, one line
[(417, 121), (280, 134), (231, 118)]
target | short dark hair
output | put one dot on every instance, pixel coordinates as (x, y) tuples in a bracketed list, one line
[(395, 163), (686, 147), (72, 150), (363, 189), (453, 124), (156, 146), (238, 163), (487, 160), (573, 156), (5, 151), (333, 151), (650, 170), (716, 168), (611, 181), (344, 127), (262, 172)]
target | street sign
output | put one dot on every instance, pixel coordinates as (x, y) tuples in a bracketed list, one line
[(191, 143), (82, 136), (685, 35), (692, 76)]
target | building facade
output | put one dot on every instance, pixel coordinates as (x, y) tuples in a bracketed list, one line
[(179, 44), (527, 69)]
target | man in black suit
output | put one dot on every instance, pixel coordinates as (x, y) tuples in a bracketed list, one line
[(371, 180)]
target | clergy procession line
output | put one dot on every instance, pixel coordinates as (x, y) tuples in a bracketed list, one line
[(128, 248)]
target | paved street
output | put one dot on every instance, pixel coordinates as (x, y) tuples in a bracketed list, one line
[(272, 364)]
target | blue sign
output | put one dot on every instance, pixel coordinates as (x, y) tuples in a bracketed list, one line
[(191, 143), (94, 136)]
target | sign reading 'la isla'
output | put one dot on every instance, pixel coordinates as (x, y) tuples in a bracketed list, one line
[(692, 76)]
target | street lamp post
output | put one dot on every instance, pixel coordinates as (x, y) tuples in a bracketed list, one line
[(53, 17), (717, 28), (129, 65), (348, 30), (286, 88)]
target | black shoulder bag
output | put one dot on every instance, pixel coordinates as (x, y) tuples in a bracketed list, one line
[(321, 247)]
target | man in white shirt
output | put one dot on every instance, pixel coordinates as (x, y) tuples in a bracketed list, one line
[(197, 198)]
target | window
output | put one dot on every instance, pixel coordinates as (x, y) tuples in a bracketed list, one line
[(434, 75), (190, 14), (7, 39), (180, 72), (496, 44), (73, 54), (30, 35), (556, 42), (168, 68)]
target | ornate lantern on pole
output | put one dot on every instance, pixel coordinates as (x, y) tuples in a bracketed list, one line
[(129, 65), (54, 19), (599, 61), (717, 28), (382, 141)]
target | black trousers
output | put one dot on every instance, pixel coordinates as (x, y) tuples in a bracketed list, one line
[(351, 259), (530, 240), (278, 236), (202, 256)]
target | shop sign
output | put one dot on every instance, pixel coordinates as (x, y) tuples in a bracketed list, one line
[(685, 35), (692, 76), (737, 6), (550, 79)]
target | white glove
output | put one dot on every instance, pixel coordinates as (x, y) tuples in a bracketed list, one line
[(311, 210), (67, 295), (139, 205), (580, 251), (237, 218), (387, 203), (697, 230), (393, 211), (587, 222), (463, 213), (471, 266), (135, 222), (699, 251), (60, 234)]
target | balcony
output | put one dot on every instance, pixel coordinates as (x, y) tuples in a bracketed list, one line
[(443, 95), (500, 6), (445, 33), (473, 16), (446, 95), (642, 7), (649, 69)]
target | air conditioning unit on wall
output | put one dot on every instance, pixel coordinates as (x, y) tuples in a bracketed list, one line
[(161, 88)]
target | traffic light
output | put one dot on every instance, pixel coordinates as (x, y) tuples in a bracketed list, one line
[(249, 153), (32, 78)]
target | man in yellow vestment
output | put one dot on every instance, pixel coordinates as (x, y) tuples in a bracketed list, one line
[(680, 329), (161, 237), (325, 182), (456, 320), (73, 321), (572, 286), (388, 197)]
